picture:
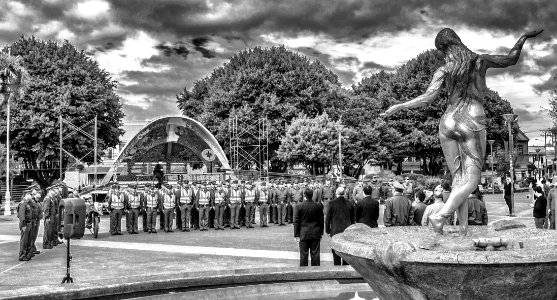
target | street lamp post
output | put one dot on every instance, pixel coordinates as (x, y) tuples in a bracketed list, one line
[(510, 118), (339, 130), (6, 92), (538, 163), (492, 181)]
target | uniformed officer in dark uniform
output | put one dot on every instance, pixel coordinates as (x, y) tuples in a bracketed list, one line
[(25, 215), (37, 208), (49, 216)]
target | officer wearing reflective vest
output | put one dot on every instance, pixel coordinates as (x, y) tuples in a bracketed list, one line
[(168, 205), (249, 204), (133, 206), (186, 202), (152, 205), (116, 205), (219, 201), (235, 196), (203, 204), (25, 215), (263, 200)]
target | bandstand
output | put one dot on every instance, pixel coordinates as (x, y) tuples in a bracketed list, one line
[(187, 149)]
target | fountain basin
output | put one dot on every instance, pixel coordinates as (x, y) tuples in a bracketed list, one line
[(412, 262)]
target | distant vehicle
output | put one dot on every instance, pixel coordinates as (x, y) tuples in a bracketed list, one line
[(100, 196), (13, 207)]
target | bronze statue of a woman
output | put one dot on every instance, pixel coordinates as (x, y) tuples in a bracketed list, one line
[(462, 127)]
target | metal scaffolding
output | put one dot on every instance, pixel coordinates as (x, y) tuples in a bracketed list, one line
[(75, 130), (249, 145)]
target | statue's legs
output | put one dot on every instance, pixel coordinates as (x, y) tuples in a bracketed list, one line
[(462, 158)]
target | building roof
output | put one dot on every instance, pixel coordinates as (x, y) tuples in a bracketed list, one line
[(521, 136)]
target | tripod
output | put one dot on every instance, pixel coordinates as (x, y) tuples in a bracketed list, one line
[(68, 278)]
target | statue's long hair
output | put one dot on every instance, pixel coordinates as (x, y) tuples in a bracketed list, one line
[(459, 61)]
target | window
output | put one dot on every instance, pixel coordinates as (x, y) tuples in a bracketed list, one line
[(520, 149)]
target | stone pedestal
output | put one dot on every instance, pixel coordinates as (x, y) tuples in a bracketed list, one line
[(414, 263)]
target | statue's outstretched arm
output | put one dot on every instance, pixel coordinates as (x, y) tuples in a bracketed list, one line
[(430, 94), (503, 61)]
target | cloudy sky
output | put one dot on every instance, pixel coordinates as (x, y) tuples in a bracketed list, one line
[(156, 48)]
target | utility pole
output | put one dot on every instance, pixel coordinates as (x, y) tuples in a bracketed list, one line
[(95, 154), (61, 149), (510, 118), (6, 92), (339, 129), (554, 137), (492, 180), (545, 133), (538, 162)]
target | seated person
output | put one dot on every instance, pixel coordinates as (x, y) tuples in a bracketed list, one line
[(477, 213)]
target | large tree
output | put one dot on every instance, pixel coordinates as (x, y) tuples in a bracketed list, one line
[(63, 82), (273, 83), (311, 142), (418, 128), (369, 139)]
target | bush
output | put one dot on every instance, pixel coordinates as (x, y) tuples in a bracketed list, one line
[(428, 182)]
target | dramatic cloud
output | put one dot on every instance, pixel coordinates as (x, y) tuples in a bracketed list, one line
[(342, 20), (533, 120), (155, 49), (153, 108), (547, 85), (370, 65), (199, 45), (178, 49)]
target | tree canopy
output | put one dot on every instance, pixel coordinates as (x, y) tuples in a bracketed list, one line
[(273, 83), (311, 142), (292, 91), (63, 82), (418, 127)]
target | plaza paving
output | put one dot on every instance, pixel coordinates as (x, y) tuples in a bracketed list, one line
[(113, 260)]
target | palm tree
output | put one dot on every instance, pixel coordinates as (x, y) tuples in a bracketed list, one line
[(13, 76), (14, 81)]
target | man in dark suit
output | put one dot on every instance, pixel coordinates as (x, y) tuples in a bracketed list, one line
[(340, 215), (308, 228), (367, 209)]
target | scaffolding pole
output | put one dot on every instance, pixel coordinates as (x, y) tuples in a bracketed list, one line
[(249, 144)]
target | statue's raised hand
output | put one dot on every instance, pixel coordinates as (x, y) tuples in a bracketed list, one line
[(533, 33), (393, 109)]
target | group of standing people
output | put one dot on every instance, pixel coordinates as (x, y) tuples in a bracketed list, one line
[(543, 194), (201, 205), (342, 211), (404, 206), (31, 210)]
